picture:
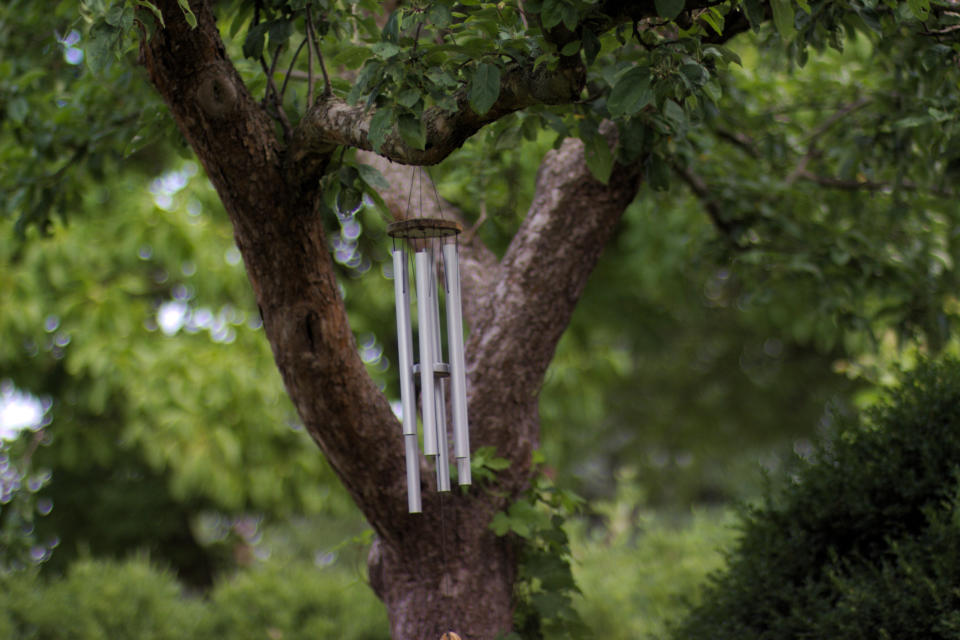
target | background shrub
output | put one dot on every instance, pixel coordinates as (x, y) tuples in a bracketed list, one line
[(295, 602), (97, 600), (132, 600), (862, 538), (639, 570)]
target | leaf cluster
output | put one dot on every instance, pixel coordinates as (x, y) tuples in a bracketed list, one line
[(59, 130), (545, 587), (207, 428), (861, 539)]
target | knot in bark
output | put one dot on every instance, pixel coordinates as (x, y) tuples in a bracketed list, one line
[(215, 93)]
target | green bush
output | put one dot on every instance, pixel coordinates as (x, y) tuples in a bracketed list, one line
[(97, 600), (131, 600), (639, 569), (862, 540), (295, 602)]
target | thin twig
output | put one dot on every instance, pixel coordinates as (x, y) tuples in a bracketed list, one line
[(309, 67), (869, 185), (741, 140), (841, 113), (276, 58), (311, 33), (826, 125), (942, 32), (472, 231), (702, 191), (290, 71), (278, 111)]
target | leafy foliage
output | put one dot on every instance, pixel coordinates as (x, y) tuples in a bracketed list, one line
[(672, 367), (22, 501), (640, 569), (544, 591), (50, 145), (132, 599), (862, 538), (207, 429)]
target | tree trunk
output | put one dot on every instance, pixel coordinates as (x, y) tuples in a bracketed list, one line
[(442, 570), (448, 573)]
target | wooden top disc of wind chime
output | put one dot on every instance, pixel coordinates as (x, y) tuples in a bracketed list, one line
[(423, 228)]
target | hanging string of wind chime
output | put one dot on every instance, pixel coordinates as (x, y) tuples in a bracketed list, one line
[(435, 249)]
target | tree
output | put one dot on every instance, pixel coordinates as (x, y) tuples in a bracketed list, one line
[(431, 78)]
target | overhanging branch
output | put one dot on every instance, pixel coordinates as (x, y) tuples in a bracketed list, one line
[(332, 122)]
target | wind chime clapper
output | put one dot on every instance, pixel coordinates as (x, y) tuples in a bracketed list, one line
[(434, 241)]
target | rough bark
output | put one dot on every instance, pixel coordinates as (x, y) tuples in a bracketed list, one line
[(442, 570)]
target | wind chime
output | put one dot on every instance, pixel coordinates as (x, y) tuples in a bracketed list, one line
[(436, 267)]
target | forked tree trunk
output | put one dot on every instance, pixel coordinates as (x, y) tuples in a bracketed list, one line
[(442, 570)]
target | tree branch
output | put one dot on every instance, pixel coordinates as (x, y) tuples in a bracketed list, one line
[(536, 289), (826, 125), (332, 122), (712, 207), (869, 185)]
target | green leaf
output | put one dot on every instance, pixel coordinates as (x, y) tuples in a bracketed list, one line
[(119, 16), (484, 88), (253, 43), (17, 109), (380, 126), (508, 139), (723, 53), (633, 140), (570, 48), (372, 177), (530, 127), (658, 173), (675, 115), (714, 18), (391, 30), (669, 9), (591, 46), (385, 50), (570, 17), (100, 46), (755, 14), (599, 157), (279, 30), (351, 56), (188, 13), (408, 97), (152, 7), (694, 74), (783, 18), (440, 15), (412, 131), (500, 524), (550, 14), (631, 93)]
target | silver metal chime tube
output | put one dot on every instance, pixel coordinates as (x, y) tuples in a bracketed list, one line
[(428, 408), (458, 378), (441, 371), (437, 378), (408, 398)]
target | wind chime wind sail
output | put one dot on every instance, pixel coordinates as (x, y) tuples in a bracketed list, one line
[(434, 242)]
